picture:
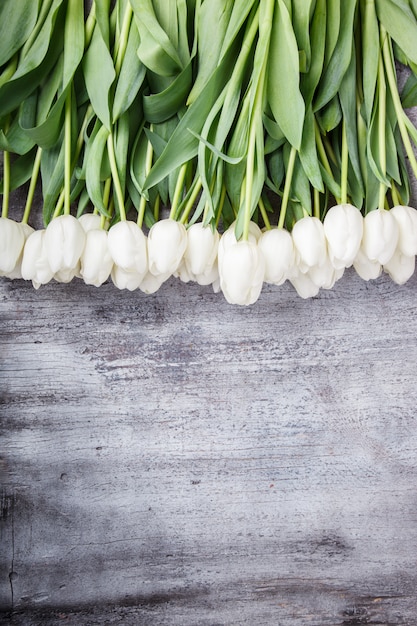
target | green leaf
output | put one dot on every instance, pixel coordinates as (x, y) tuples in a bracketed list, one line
[(409, 92), (310, 80), (308, 152), (370, 55), (212, 22), (99, 77), (21, 170), (401, 24), (93, 170), (161, 106), (156, 51), (131, 77), (340, 59), (16, 24), (283, 82)]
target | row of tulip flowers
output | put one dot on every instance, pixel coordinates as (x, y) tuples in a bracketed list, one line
[(313, 256)]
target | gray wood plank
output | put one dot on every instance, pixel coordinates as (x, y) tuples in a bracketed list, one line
[(189, 462)]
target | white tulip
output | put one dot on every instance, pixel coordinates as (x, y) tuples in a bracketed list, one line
[(35, 264), (343, 229), (128, 247), (182, 272), (66, 275), (201, 252), (151, 284), (96, 260), (309, 242), (242, 271), (12, 239), (380, 235), (325, 275), (90, 221), (304, 285), (365, 268), (406, 218), (400, 267), (17, 270), (126, 279), (64, 243), (167, 241), (229, 238), (278, 250)]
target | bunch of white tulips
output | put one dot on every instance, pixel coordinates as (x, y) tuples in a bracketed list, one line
[(313, 255)]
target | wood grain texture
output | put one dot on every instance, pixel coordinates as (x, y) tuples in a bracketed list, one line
[(171, 459)]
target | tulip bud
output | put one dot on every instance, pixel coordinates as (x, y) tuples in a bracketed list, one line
[(35, 264), (64, 243), (96, 260), (400, 267), (167, 241), (325, 275), (365, 268), (278, 250), (128, 248), (304, 285), (380, 235), (309, 242), (90, 221), (126, 279), (12, 240), (151, 284), (343, 229), (229, 238), (201, 251), (242, 271), (406, 218), (17, 270)]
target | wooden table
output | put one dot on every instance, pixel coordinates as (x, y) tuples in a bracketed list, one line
[(174, 460)]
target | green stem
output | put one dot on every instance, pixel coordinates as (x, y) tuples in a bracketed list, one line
[(178, 190), (264, 214), (250, 164), (382, 98), (221, 204), (59, 204), (156, 207), (392, 82), (116, 178), (67, 158), (287, 187), (90, 24), (6, 184), (148, 165), (345, 165), (191, 201), (323, 155), (394, 194), (124, 35), (316, 210), (32, 186)]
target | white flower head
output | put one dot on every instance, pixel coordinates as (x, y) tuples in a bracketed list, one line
[(201, 252), (278, 250), (96, 260), (35, 264), (167, 242), (309, 242), (400, 267), (90, 221), (17, 270), (406, 218), (128, 248), (64, 243), (242, 270), (380, 235), (343, 228), (365, 268), (12, 239)]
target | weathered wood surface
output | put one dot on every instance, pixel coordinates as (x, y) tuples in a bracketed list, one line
[(173, 460)]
